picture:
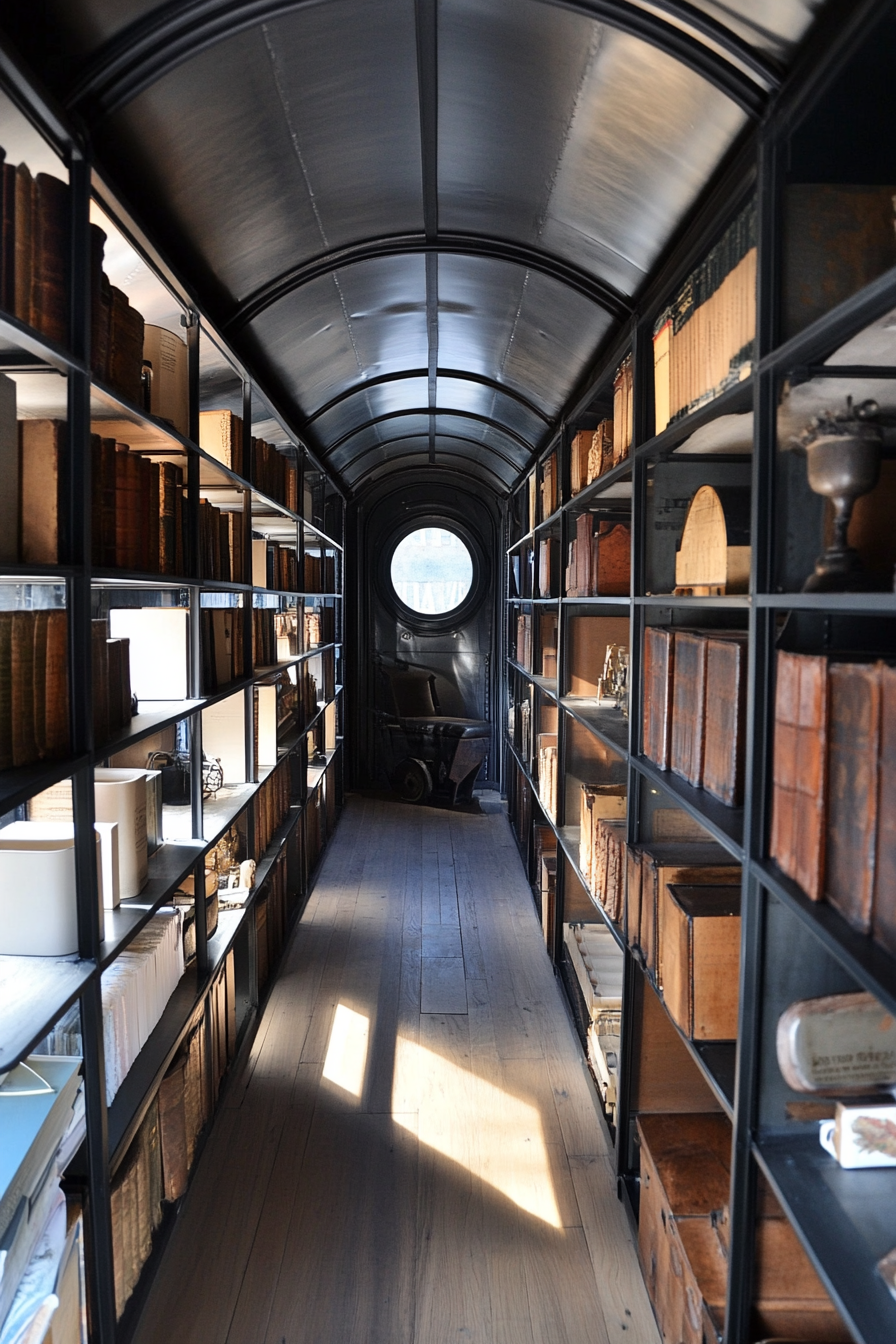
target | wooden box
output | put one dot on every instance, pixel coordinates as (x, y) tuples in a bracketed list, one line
[(689, 707), (725, 719), (614, 560), (701, 959), (695, 864), (658, 681), (599, 802)]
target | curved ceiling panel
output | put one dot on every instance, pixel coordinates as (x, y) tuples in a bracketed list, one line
[(560, 131), (367, 319), (768, 26), (272, 146), (367, 403), (516, 326), (501, 443), (446, 453)]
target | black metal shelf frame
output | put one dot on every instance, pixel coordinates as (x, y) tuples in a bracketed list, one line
[(844, 1219)]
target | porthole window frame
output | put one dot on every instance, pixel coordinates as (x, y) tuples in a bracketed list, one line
[(424, 621)]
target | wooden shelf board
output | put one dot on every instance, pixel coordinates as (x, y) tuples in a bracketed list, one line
[(871, 964), (34, 993), (844, 1220), (725, 824)]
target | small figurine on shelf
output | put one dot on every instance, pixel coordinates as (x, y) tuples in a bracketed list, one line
[(612, 687)]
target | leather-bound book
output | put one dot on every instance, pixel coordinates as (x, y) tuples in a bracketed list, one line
[(24, 744), (56, 686), (224, 547), (221, 436), (51, 232), (24, 217), (128, 528), (168, 488), (96, 519), (41, 447), (38, 687), (584, 532), (173, 1128), (148, 516), (99, 630), (180, 544), (614, 560), (108, 500), (99, 310), (6, 757), (659, 681), (884, 913), (7, 235), (726, 699), (853, 745), (689, 707), (125, 348), (800, 773)]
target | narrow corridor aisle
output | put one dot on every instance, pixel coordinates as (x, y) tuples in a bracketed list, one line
[(410, 1153)]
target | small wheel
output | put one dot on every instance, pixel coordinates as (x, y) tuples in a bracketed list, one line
[(411, 780)]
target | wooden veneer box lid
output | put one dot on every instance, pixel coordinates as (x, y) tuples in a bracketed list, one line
[(701, 959), (691, 1158)]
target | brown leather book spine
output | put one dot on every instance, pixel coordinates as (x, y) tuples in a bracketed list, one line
[(884, 902), (224, 546), (143, 501), (108, 501), (100, 672), (56, 685), (7, 235), (113, 664), (49, 291), (6, 754), (726, 699), (96, 501), (99, 304), (659, 681), (24, 745), (24, 242), (179, 524), (689, 707), (153, 514), (614, 560), (39, 681), (173, 1130), (40, 448), (800, 769), (853, 746), (167, 515), (584, 532)]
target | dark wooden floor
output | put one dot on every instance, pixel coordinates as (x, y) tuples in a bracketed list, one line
[(410, 1153)]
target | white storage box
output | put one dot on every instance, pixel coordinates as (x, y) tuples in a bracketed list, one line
[(38, 905)]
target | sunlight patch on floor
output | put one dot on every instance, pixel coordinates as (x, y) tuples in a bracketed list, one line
[(346, 1059), (495, 1136)]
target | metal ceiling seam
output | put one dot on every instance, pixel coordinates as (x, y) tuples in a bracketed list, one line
[(441, 412), (158, 42), (386, 469), (403, 375), (423, 452), (486, 247), (425, 24), (469, 457)]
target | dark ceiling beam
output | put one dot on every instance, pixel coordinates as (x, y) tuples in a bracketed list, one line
[(479, 245), (441, 413), (158, 42), (428, 100), (440, 438), (462, 375)]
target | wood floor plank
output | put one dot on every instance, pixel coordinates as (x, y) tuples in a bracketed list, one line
[(448, 1178)]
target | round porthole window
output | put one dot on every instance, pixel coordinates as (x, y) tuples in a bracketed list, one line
[(432, 571)]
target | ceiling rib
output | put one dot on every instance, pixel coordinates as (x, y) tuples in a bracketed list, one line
[(450, 244), (442, 412), (428, 96), (441, 438), (462, 375), (471, 468), (158, 42)]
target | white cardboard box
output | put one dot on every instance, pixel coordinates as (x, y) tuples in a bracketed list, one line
[(120, 796), (38, 903)]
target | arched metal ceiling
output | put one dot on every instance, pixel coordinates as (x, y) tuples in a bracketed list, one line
[(420, 218)]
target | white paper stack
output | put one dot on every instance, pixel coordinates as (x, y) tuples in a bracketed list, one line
[(136, 988)]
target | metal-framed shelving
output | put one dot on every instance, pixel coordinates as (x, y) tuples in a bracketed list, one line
[(791, 947), (37, 992)]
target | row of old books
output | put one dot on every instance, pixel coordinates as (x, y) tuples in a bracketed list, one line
[(683, 1240), (271, 917), (282, 568), (320, 626), (136, 988), (320, 573), (599, 563), (138, 516), (549, 487), (222, 435), (35, 249), (111, 677), (34, 711), (272, 803), (221, 646), (694, 707), (221, 554), (833, 827), (155, 1169), (523, 648), (590, 455), (592, 955), (703, 342), (275, 474), (264, 638), (548, 552), (547, 772)]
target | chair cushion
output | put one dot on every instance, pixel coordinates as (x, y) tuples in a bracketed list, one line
[(446, 726)]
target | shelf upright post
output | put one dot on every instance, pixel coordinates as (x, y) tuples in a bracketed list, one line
[(642, 417), (758, 741), (76, 550), (249, 599)]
